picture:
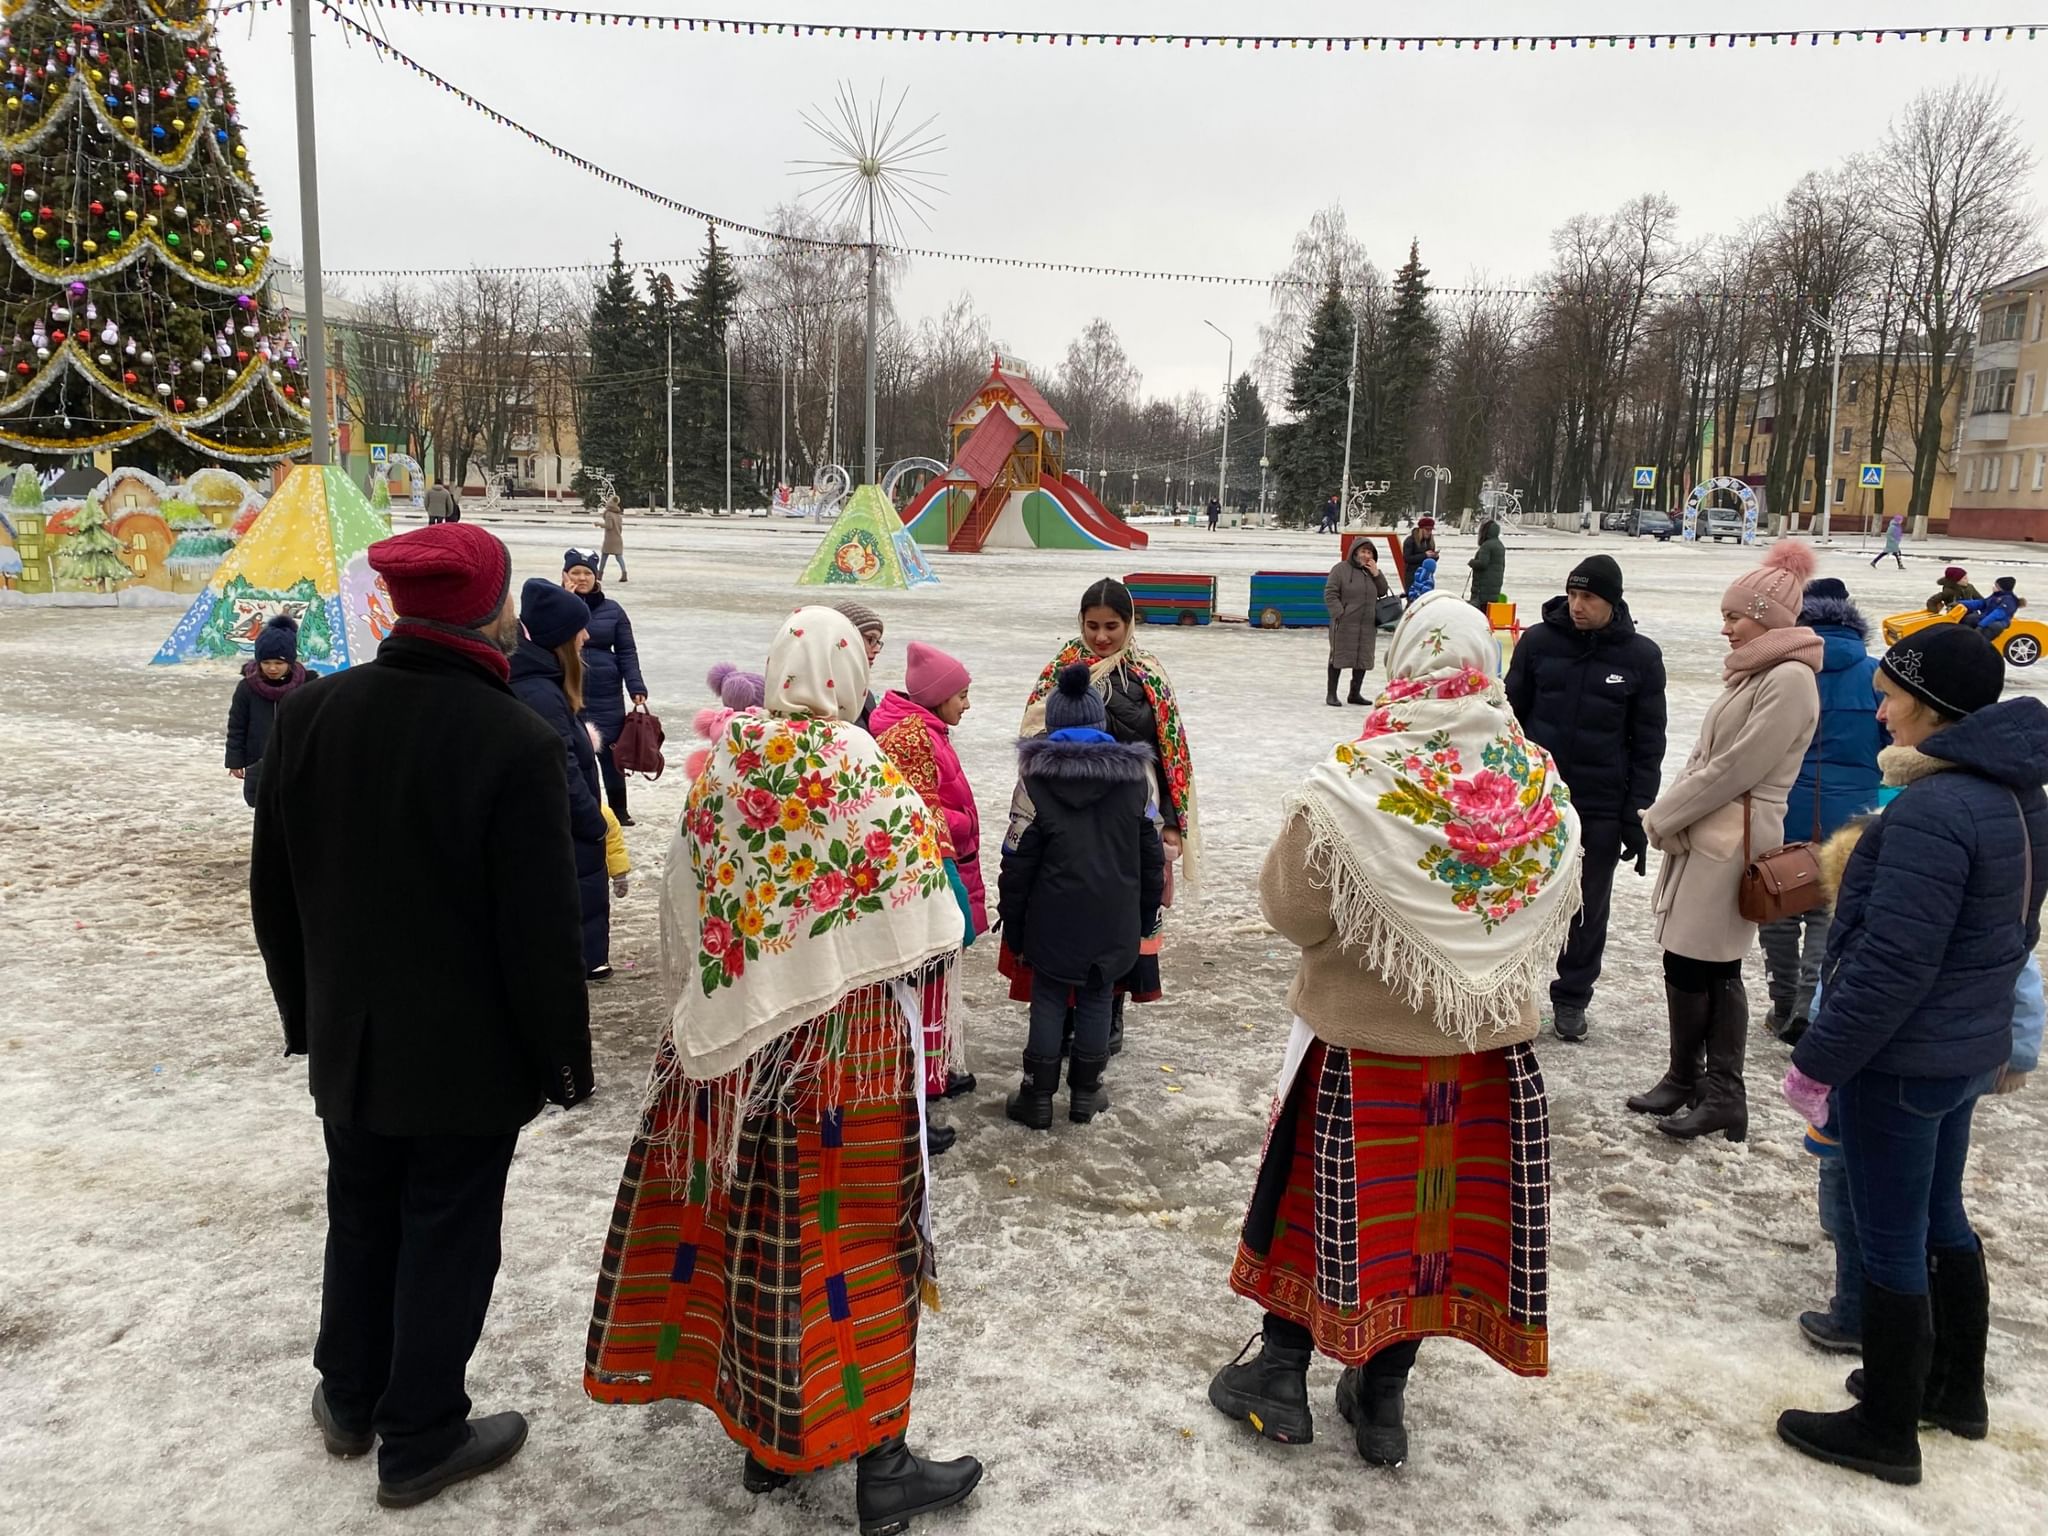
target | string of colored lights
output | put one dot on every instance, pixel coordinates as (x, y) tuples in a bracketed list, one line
[(1536, 43)]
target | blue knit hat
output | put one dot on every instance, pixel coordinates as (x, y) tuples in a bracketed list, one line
[(571, 558), (1074, 705), (279, 639), (551, 613)]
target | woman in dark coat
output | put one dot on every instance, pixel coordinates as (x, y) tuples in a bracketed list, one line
[(1489, 566), (1352, 595), (611, 670), (1939, 908), (265, 681), (547, 674)]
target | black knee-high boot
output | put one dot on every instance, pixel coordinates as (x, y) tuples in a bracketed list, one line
[(1332, 699)]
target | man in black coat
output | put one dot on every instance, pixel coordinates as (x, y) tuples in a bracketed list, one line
[(425, 955), (1590, 690)]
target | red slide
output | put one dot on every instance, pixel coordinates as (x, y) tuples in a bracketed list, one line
[(1094, 518)]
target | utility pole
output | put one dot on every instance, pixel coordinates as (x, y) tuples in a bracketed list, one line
[(728, 420), (1229, 370), (671, 394), (1350, 406), (782, 462), (1827, 475), (832, 406), (309, 226)]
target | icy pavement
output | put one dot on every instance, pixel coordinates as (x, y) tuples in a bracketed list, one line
[(160, 1243)]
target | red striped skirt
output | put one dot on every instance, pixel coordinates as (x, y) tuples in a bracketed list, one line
[(787, 1300), (1406, 1197)]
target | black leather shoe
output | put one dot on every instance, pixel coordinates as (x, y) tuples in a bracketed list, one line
[(493, 1440), (958, 1086), (1270, 1393), (756, 1478), (893, 1487), (1372, 1406), (340, 1441), (939, 1138)]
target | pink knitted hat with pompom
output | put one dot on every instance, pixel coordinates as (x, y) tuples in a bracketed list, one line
[(1772, 593)]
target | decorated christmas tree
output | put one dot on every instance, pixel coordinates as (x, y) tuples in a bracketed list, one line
[(89, 556), (136, 252)]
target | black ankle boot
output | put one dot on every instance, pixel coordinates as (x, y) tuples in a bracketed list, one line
[(1269, 1393), (1679, 1085), (1031, 1104), (1372, 1406), (1357, 683), (1881, 1434), (1723, 1103), (1116, 1025), (756, 1478), (1332, 700), (892, 1487), (1086, 1097)]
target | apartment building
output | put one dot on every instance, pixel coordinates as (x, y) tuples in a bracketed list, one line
[(2002, 443)]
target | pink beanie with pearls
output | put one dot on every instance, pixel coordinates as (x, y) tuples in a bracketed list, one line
[(930, 676), (1772, 593)]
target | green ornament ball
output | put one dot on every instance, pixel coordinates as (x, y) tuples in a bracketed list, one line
[(63, 244), (171, 238), (265, 231), (219, 265), (114, 236)]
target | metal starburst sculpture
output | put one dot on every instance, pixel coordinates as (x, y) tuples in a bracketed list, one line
[(875, 173)]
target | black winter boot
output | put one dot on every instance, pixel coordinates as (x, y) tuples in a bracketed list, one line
[(1357, 683), (1723, 1103), (1086, 1097), (1680, 1083), (892, 1487), (1881, 1434), (1269, 1393), (1116, 1024), (1371, 1400), (1031, 1104), (1332, 700), (1961, 1297), (756, 1478)]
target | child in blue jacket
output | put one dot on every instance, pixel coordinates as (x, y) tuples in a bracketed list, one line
[(1424, 581), (1989, 615)]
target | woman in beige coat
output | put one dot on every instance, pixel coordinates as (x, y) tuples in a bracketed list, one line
[(1428, 872), (1738, 777)]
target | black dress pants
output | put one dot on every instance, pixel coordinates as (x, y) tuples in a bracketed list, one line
[(1578, 963), (614, 781), (412, 1253)]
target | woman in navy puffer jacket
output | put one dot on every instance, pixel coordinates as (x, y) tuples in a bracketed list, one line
[(1939, 908), (611, 673), (1842, 765)]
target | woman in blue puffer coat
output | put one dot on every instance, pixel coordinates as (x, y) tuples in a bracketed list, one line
[(611, 672), (1841, 766), (1939, 909), (547, 674)]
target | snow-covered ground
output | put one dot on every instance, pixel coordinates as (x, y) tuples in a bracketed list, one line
[(163, 1219)]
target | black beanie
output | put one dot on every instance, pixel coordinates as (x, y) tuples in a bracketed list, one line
[(1597, 574), (278, 639), (1951, 668), (551, 614), (1074, 705)]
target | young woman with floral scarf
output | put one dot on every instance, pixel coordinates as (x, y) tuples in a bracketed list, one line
[(1428, 871), (1139, 701), (771, 1239)]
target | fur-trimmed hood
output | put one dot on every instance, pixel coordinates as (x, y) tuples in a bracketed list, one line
[(1824, 613), (1834, 854), (1083, 762)]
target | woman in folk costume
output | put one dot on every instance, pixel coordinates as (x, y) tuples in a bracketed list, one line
[(1142, 710), (1428, 871), (1733, 790), (771, 1237)]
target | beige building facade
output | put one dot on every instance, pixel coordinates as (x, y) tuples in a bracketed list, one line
[(2002, 440)]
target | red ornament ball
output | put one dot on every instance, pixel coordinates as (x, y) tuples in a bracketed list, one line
[(128, 378), (21, 368), (17, 169)]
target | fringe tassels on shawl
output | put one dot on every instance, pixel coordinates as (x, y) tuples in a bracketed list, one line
[(1466, 1007)]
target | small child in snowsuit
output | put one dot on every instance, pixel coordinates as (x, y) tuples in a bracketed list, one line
[(617, 862), (265, 681), (1989, 615), (1078, 892), (1423, 582)]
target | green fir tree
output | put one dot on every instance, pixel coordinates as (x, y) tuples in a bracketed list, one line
[(1394, 380), (1247, 440), (709, 309), (89, 556), (1308, 452), (621, 391)]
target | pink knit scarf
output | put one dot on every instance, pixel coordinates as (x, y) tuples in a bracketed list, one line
[(1767, 650)]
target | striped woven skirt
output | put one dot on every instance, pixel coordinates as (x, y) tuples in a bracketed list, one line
[(786, 1300), (1406, 1197)]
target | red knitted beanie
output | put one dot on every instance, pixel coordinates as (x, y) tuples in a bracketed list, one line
[(446, 573)]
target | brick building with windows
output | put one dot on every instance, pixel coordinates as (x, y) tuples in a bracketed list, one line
[(2002, 441)]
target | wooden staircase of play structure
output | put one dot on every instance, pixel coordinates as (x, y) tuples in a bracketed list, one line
[(969, 536)]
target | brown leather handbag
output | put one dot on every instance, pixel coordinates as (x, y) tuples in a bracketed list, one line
[(638, 748), (1784, 882)]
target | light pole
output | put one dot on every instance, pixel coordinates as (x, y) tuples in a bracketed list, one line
[(1439, 476), (1264, 464), (1827, 458), (309, 228), (1350, 404), (670, 505), (1229, 369), (728, 420)]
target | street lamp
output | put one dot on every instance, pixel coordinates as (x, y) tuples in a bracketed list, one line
[(1264, 464), (1229, 369), (1439, 476), (1827, 459)]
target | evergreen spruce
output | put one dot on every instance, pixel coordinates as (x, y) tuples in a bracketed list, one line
[(621, 392), (1308, 452), (90, 556), (1247, 439), (709, 310), (1394, 381)]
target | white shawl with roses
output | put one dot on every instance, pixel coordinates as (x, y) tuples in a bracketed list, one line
[(805, 868), (1447, 840)]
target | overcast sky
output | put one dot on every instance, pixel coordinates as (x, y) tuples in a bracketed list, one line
[(1157, 157)]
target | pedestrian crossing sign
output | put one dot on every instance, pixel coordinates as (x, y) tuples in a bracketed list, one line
[(1646, 477), (1871, 477)]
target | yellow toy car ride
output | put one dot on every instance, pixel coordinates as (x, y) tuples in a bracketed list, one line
[(2021, 644)]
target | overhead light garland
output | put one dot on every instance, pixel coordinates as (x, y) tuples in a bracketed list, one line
[(1536, 43)]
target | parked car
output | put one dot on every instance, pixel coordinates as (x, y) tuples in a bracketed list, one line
[(1615, 520), (1718, 523), (2021, 644), (1652, 524)]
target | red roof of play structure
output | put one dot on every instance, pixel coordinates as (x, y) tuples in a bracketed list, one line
[(987, 446), (1026, 394)]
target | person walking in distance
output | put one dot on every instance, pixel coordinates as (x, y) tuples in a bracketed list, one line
[(1894, 536), (1352, 596), (426, 1052), (614, 521), (1589, 689), (440, 504), (1330, 514), (1730, 795), (1215, 513)]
